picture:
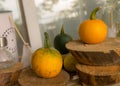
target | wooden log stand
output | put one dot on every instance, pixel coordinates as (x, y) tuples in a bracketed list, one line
[(9, 76), (29, 78), (99, 64)]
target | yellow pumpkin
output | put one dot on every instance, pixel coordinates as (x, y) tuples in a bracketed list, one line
[(69, 62), (47, 61), (94, 30)]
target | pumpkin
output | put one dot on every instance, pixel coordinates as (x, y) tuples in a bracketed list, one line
[(60, 40), (47, 61), (69, 62), (93, 30)]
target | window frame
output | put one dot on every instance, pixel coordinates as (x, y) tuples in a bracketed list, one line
[(29, 16)]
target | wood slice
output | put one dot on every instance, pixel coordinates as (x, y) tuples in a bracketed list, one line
[(98, 75), (29, 78), (106, 46), (118, 84), (9, 76), (105, 53)]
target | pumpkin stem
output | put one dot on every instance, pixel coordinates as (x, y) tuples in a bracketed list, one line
[(93, 14), (62, 30), (47, 43)]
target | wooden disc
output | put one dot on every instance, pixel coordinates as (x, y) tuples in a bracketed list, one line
[(98, 75), (106, 46), (105, 53), (9, 76), (29, 78), (14, 68)]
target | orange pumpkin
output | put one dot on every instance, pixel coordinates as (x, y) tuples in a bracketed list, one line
[(94, 30), (47, 61)]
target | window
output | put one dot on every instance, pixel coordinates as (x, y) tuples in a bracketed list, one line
[(33, 28), (52, 14)]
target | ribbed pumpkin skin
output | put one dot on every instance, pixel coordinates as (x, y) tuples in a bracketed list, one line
[(47, 62)]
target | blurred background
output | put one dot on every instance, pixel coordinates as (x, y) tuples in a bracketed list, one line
[(52, 14)]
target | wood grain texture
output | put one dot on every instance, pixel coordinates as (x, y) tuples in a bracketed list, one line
[(106, 46), (29, 78), (99, 64), (97, 58), (105, 53), (9, 76), (99, 75)]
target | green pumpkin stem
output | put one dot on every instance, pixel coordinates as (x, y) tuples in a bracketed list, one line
[(62, 30), (47, 43), (94, 12)]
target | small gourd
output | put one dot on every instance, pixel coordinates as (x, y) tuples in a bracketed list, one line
[(69, 62), (93, 30), (47, 61), (60, 41)]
